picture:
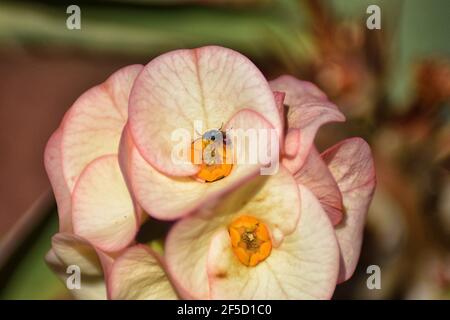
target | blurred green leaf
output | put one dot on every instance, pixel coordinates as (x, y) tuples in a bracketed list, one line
[(31, 278), (424, 31), (416, 28), (272, 30)]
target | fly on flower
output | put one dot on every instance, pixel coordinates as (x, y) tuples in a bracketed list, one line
[(212, 152)]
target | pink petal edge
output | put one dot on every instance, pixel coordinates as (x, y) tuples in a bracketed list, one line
[(53, 167), (156, 111), (315, 175), (308, 110), (352, 166)]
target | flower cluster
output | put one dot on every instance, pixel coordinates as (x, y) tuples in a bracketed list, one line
[(293, 233)]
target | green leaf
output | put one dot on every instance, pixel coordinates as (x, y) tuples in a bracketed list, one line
[(260, 31)]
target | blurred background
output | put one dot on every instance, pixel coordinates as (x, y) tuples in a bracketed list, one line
[(393, 85)]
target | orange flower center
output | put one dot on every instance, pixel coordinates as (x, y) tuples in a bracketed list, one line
[(250, 240), (212, 155)]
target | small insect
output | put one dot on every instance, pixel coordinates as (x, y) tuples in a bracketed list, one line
[(213, 142)]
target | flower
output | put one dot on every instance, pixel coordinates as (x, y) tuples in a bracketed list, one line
[(97, 217), (292, 234), (215, 86), (342, 178), (314, 218), (223, 254)]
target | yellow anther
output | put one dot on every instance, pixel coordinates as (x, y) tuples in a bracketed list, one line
[(250, 240)]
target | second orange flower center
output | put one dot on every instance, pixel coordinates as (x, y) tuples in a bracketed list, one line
[(250, 240)]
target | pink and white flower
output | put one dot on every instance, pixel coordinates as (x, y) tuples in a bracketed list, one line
[(216, 86), (97, 218), (291, 235), (314, 212)]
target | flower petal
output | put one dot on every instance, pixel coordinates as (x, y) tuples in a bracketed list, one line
[(254, 141), (208, 84), (103, 211), (305, 266), (308, 109), (351, 164), (315, 175), (53, 166), (70, 250), (91, 289), (279, 100), (186, 251), (166, 197), (75, 250), (93, 125), (272, 199), (276, 201), (126, 147), (137, 274)]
